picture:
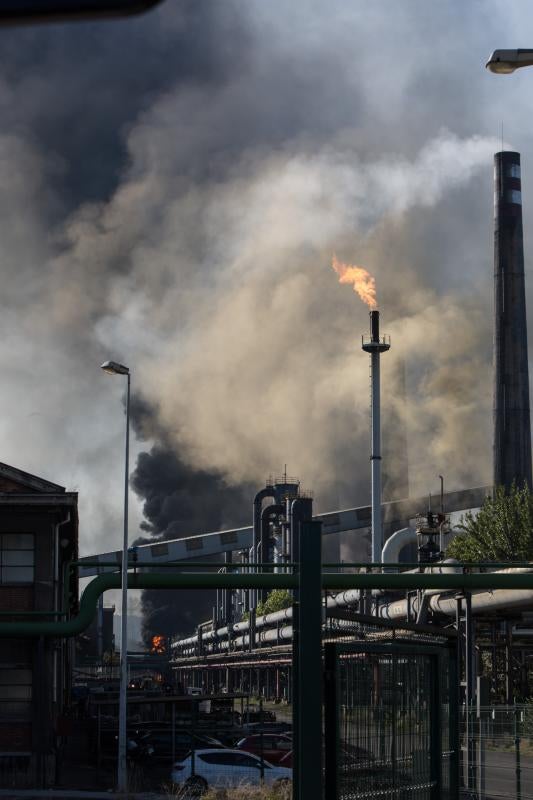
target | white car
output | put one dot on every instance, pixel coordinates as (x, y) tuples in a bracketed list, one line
[(228, 768)]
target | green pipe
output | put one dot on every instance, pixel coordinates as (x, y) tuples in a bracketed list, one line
[(33, 614), (436, 565), (102, 583), (192, 580), (184, 564)]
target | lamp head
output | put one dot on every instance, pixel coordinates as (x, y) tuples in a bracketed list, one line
[(504, 62), (114, 368)]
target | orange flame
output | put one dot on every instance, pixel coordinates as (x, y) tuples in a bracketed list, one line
[(362, 281), (158, 645)]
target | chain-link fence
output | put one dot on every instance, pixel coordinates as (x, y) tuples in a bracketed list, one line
[(497, 752), (388, 722)]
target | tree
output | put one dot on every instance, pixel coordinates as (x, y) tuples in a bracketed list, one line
[(276, 601), (502, 530)]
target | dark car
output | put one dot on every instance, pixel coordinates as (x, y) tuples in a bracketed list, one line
[(165, 749), (254, 714), (267, 727), (137, 746), (271, 746)]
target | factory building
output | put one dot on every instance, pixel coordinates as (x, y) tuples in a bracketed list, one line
[(38, 538)]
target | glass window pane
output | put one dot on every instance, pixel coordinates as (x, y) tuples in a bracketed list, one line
[(17, 558), (15, 693), (15, 710), (248, 761), (11, 677), (17, 541), (16, 574)]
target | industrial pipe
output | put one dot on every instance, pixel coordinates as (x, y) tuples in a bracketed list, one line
[(268, 491), (330, 581), (395, 543)]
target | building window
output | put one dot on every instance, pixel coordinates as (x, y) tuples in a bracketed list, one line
[(15, 693), (16, 558)]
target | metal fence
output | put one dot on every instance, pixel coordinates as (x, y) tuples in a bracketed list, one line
[(194, 742), (497, 752), (390, 721)]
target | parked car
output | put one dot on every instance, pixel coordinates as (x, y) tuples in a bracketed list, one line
[(256, 714), (161, 742), (267, 727), (272, 746), (226, 768), (352, 758), (137, 746)]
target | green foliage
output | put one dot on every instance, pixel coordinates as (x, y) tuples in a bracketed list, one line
[(502, 531), (276, 601)]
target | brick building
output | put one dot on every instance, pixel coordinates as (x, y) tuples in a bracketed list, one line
[(38, 538)]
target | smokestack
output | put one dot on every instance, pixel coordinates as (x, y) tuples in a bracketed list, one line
[(512, 426), (375, 345)]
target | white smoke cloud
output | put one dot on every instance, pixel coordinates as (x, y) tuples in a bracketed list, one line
[(204, 261)]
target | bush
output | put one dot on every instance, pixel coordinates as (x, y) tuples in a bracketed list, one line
[(277, 600), (502, 531)]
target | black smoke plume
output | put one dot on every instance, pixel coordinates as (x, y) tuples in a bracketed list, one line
[(180, 501)]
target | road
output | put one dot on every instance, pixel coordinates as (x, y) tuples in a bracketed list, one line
[(501, 777)]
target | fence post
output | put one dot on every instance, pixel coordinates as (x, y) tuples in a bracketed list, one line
[(453, 718), (307, 706), (331, 721), (518, 768)]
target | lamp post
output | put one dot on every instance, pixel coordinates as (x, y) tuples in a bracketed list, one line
[(113, 368), (505, 61)]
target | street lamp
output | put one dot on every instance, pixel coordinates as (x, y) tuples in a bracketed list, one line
[(505, 61), (113, 368)]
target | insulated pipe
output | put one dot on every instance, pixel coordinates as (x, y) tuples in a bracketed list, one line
[(268, 514), (242, 642), (490, 582), (395, 543), (268, 491), (485, 601), (260, 622), (482, 601)]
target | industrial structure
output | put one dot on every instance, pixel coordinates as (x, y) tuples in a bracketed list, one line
[(512, 426), (38, 538), (254, 652), (405, 634)]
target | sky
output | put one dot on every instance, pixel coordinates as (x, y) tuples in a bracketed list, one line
[(172, 190)]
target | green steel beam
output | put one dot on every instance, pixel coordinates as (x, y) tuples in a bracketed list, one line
[(197, 580), (308, 747)]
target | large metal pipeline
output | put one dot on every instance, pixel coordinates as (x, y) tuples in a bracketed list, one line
[(239, 627), (439, 602), (268, 491), (442, 603), (240, 642), (395, 543)]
